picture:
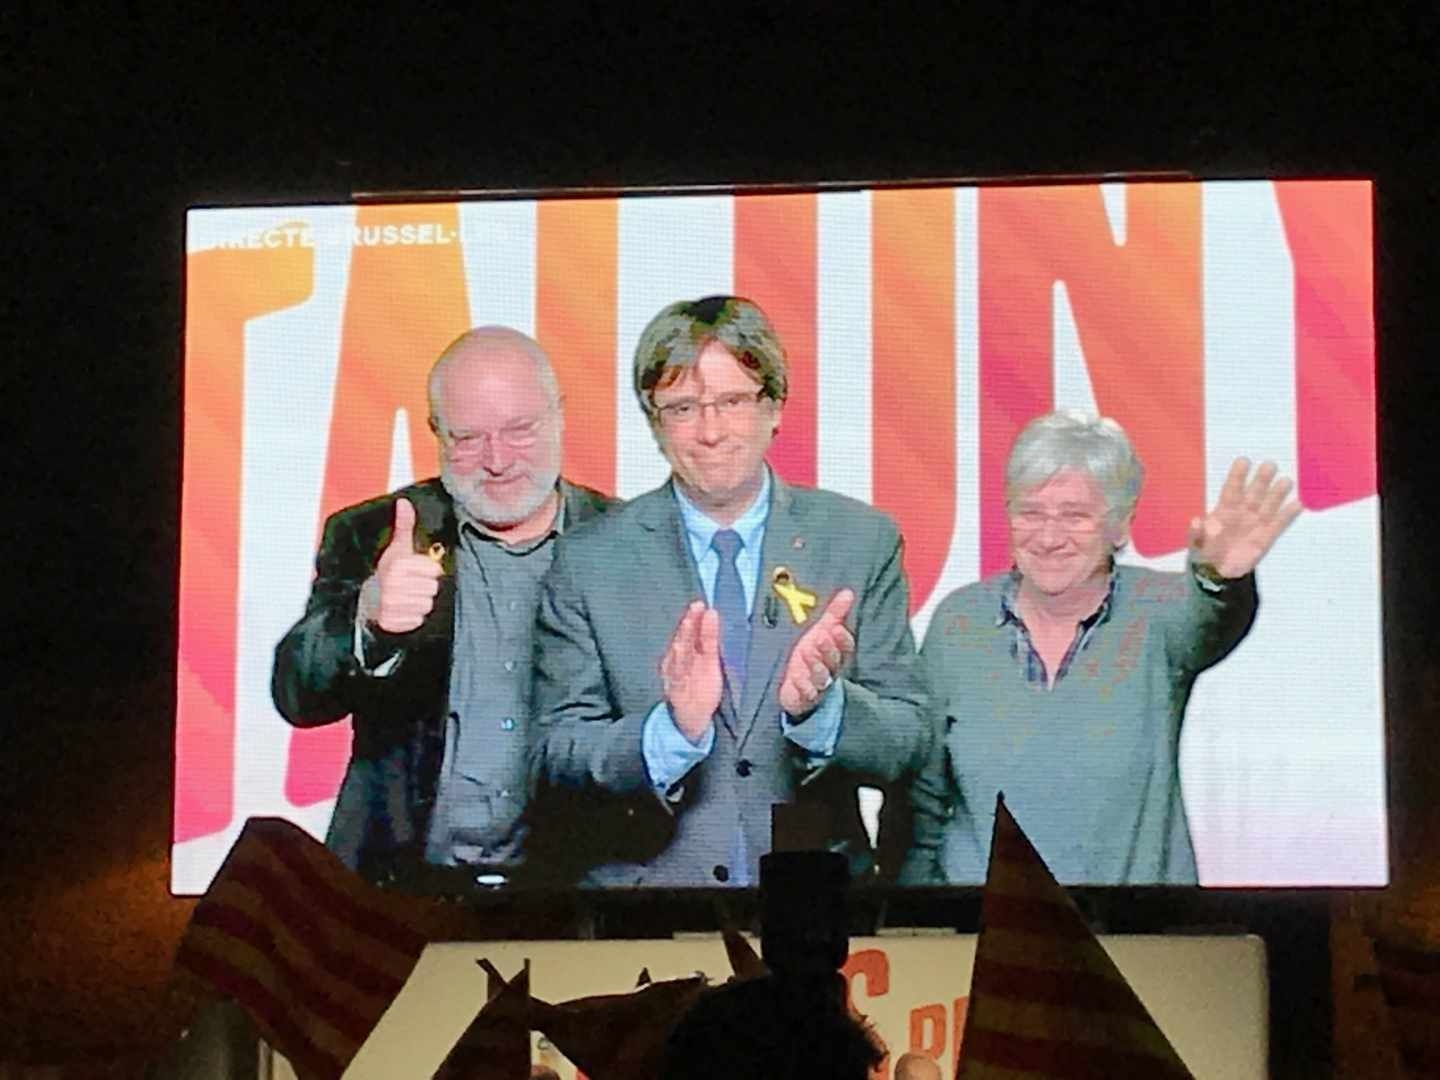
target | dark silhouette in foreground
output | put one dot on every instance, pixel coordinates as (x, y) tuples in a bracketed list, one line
[(792, 1023)]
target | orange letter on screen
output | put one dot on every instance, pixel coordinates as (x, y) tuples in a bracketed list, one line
[(575, 298), (913, 326), (225, 289), (775, 265), (405, 304), (1138, 313)]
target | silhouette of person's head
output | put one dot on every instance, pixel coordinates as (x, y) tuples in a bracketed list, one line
[(792, 1024), (780, 1029)]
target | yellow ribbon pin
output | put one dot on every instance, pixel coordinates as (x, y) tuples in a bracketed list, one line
[(798, 600), (437, 552)]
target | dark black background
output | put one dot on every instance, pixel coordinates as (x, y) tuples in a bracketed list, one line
[(118, 120)]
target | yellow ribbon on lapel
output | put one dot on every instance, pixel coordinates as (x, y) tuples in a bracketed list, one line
[(798, 600)]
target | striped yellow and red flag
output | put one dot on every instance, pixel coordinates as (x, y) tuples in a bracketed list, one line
[(496, 1045), (309, 949), (745, 962), (617, 1036), (1410, 979), (1046, 1000)]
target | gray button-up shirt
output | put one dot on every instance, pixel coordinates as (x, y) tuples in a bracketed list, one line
[(481, 790)]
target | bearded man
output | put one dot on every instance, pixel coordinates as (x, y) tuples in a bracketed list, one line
[(420, 620)]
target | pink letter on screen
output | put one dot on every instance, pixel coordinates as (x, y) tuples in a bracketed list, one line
[(1328, 227)]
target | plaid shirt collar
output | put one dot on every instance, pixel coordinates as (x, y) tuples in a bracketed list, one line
[(1023, 649)]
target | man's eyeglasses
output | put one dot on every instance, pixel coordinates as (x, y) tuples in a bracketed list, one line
[(1074, 522), (687, 411), (520, 435)]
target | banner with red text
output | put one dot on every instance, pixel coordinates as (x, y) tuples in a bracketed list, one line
[(915, 990)]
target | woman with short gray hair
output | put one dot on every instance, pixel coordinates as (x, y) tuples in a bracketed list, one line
[(1064, 680), (1071, 440)]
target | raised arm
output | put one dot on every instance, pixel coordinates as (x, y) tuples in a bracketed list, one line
[(317, 678), (369, 605), (1245, 522), (1226, 545)]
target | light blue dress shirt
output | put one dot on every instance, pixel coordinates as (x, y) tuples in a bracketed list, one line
[(669, 755)]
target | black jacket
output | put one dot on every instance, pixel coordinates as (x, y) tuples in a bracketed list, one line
[(382, 813)]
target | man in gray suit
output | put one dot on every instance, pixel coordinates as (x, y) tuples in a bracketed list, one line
[(726, 642)]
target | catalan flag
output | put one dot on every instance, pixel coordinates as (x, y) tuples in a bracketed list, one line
[(745, 962), (311, 951), (1410, 979), (617, 1036), (1046, 1000), (496, 1045)]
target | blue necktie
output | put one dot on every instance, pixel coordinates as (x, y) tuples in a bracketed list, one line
[(730, 604)]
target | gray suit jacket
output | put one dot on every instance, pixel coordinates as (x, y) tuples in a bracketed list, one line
[(608, 608)]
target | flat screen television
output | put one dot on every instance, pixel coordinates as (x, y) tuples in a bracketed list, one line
[(924, 326)]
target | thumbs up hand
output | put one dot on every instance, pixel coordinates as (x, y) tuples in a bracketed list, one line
[(401, 592)]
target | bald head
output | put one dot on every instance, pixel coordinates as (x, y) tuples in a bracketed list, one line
[(489, 350), (917, 1067)]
